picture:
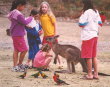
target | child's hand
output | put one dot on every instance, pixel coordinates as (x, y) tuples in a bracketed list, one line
[(49, 56), (40, 32), (28, 27)]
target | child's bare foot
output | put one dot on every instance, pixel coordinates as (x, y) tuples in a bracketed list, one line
[(86, 77), (95, 76), (28, 64)]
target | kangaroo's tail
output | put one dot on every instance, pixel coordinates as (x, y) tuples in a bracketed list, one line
[(103, 74)]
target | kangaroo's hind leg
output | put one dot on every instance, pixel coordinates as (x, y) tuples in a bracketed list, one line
[(83, 64), (73, 67), (69, 68)]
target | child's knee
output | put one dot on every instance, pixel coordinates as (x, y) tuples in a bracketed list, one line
[(26, 51)]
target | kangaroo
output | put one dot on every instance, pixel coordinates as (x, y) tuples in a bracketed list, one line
[(69, 52)]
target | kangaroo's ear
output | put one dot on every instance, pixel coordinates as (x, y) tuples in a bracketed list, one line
[(57, 36), (48, 39)]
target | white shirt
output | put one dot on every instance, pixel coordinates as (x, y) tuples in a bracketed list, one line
[(32, 23), (90, 21)]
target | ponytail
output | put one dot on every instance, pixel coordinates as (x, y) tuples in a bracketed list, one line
[(15, 3), (88, 5)]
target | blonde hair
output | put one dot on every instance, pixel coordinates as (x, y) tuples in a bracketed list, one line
[(45, 47), (49, 12)]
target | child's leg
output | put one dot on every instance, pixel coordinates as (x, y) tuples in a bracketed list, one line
[(22, 55), (95, 63), (89, 66), (28, 62), (15, 57), (33, 63), (30, 55)]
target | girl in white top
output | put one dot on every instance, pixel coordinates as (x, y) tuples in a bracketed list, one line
[(90, 22)]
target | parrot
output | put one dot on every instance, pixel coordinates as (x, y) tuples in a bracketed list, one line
[(59, 81), (23, 75), (43, 75), (36, 75)]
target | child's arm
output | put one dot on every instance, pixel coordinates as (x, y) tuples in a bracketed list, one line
[(54, 24), (32, 32), (40, 30), (99, 19), (53, 20), (28, 27), (47, 54), (22, 20), (83, 19)]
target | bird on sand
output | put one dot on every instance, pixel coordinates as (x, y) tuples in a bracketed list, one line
[(58, 80)]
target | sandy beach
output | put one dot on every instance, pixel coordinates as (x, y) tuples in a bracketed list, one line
[(69, 34)]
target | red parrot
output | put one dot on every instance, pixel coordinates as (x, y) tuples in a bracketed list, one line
[(58, 81)]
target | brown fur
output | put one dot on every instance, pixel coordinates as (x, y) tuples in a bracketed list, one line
[(69, 52)]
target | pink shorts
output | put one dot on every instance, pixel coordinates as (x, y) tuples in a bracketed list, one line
[(89, 48), (19, 43)]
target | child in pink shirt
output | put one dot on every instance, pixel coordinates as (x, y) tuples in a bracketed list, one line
[(42, 61), (43, 57)]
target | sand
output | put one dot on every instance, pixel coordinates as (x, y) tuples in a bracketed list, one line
[(69, 34)]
